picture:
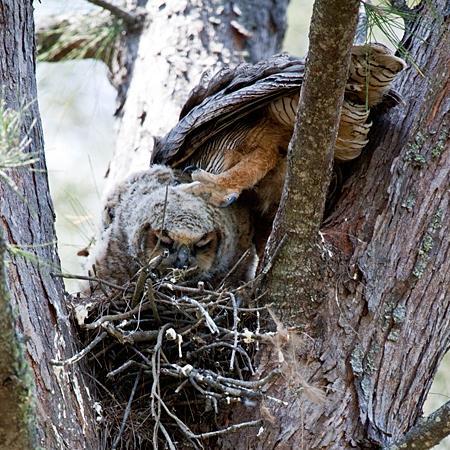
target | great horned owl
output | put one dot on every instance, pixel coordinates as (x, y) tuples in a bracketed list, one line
[(235, 127), (149, 212)]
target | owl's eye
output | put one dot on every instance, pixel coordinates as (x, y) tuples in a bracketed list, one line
[(206, 241), (163, 238), (165, 241)]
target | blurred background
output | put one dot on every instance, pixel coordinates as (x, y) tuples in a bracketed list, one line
[(77, 104)]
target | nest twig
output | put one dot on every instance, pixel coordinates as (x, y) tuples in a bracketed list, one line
[(170, 355)]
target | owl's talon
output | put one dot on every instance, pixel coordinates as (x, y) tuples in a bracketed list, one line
[(190, 168), (231, 199), (209, 187)]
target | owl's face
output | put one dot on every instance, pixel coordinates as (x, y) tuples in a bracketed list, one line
[(149, 215), (191, 233), (184, 250)]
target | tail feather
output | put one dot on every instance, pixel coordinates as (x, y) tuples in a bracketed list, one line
[(373, 68)]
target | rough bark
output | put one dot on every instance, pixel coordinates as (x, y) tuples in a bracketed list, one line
[(17, 421), (378, 322), (64, 415), (396, 235), (427, 433)]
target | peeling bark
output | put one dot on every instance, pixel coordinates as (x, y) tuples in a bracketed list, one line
[(64, 414)]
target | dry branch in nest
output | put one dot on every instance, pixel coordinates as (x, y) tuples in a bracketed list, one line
[(165, 356)]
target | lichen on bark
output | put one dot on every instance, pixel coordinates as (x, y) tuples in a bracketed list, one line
[(18, 419)]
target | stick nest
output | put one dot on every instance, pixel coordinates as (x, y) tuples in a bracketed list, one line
[(165, 357)]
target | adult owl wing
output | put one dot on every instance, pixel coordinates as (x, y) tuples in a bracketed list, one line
[(235, 128), (232, 94), (224, 99)]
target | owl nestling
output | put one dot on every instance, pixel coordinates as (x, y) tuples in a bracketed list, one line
[(148, 214)]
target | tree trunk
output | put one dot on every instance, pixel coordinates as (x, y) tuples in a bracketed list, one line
[(374, 317), (396, 239), (17, 422), (158, 65), (64, 412)]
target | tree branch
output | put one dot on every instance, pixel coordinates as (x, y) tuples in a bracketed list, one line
[(401, 5), (311, 154), (132, 19), (428, 432), (77, 36)]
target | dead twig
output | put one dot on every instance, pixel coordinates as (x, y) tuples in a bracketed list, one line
[(190, 355), (235, 324), (151, 299), (117, 317), (83, 277), (227, 386), (130, 18), (123, 367), (169, 325), (139, 287), (187, 289), (241, 259), (231, 429), (127, 410), (80, 354), (211, 325)]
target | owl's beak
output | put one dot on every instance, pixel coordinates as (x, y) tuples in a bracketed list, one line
[(182, 258)]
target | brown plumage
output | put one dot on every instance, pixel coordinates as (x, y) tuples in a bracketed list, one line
[(235, 127), (149, 213)]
